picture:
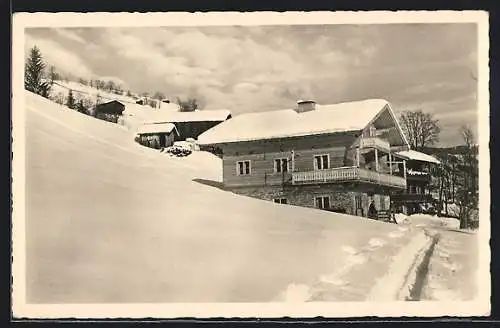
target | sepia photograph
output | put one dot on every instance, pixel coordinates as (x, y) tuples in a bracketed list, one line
[(266, 164)]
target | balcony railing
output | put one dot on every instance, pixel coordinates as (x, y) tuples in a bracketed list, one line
[(344, 174), (412, 197), (373, 142)]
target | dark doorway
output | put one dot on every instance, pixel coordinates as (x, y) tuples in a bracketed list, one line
[(163, 140)]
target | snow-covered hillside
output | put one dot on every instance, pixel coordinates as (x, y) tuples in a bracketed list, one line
[(134, 114), (110, 221), (81, 90)]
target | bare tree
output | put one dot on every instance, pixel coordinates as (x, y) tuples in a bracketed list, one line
[(468, 195), (53, 75), (159, 95), (188, 105), (421, 129)]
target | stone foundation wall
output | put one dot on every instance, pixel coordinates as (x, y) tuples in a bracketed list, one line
[(340, 197)]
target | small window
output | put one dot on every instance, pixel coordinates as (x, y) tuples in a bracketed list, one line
[(382, 203), (281, 165), (321, 162), (281, 200), (357, 201), (322, 202), (373, 131), (243, 168)]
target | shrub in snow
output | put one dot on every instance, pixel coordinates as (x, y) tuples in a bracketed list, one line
[(178, 151)]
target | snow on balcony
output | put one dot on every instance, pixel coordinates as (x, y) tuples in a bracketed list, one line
[(373, 142)]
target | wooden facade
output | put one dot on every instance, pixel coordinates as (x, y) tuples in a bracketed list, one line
[(263, 153), (417, 192), (156, 140), (109, 111)]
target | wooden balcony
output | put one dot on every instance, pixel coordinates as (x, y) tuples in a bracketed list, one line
[(412, 197), (373, 142), (346, 174)]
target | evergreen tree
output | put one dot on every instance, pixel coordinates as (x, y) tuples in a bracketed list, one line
[(70, 102), (81, 107), (33, 74)]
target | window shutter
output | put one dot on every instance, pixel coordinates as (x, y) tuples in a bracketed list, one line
[(317, 162), (285, 165)]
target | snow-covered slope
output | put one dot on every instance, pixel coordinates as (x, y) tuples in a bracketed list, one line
[(110, 221), (80, 90)]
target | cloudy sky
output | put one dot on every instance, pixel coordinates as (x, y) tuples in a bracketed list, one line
[(255, 68)]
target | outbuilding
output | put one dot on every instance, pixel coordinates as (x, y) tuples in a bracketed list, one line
[(109, 111), (191, 124), (157, 135)]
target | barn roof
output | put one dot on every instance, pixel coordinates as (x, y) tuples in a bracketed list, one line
[(106, 108), (196, 116), (341, 117), (418, 156), (156, 128)]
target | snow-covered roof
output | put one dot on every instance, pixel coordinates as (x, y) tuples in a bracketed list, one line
[(418, 156), (341, 117), (169, 106), (196, 116), (133, 108), (156, 128)]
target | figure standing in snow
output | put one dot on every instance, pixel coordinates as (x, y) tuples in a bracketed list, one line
[(372, 211)]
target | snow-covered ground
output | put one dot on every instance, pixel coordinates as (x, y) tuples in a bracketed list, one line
[(111, 221), (454, 261), (452, 268)]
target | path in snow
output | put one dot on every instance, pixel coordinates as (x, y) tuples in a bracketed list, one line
[(448, 269), (452, 268), (375, 271)]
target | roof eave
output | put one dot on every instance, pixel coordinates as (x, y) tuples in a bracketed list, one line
[(220, 142)]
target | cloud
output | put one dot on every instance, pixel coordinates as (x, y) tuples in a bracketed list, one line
[(113, 79), (195, 59), (57, 55), (70, 34), (244, 69)]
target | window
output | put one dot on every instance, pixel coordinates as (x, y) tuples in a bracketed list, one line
[(281, 165), (322, 202), (243, 168), (372, 132), (281, 200), (357, 201), (321, 162), (382, 203)]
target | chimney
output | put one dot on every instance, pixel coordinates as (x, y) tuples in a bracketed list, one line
[(305, 106)]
